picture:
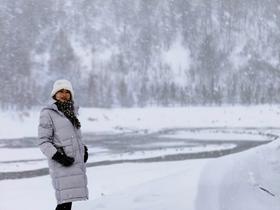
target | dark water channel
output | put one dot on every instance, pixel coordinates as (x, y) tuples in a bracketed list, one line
[(130, 143)]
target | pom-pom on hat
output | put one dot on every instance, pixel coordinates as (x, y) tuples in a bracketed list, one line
[(62, 84)]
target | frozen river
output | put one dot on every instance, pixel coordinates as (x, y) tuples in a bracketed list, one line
[(133, 147)]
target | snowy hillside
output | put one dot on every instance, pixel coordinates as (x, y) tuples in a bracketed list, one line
[(137, 52)]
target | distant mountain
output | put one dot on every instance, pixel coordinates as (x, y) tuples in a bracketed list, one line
[(141, 52)]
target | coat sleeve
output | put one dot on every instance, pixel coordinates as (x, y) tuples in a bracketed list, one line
[(45, 134)]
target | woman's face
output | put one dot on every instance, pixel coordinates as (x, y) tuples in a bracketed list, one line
[(63, 95)]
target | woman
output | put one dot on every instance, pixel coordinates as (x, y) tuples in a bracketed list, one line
[(60, 141)]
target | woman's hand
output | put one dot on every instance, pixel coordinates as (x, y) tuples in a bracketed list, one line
[(63, 159), (86, 154)]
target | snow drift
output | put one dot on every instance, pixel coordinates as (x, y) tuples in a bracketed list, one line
[(246, 181)]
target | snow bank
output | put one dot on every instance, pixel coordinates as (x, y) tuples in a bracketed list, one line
[(234, 182)]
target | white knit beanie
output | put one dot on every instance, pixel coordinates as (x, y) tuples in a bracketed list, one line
[(62, 84)]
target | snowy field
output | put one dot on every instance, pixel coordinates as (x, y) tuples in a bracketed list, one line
[(224, 183), (137, 120)]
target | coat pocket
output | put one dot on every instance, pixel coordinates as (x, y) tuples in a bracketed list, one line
[(67, 146)]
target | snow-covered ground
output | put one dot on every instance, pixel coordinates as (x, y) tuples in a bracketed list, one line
[(231, 182), (244, 181), (219, 134), (15, 124), (117, 187)]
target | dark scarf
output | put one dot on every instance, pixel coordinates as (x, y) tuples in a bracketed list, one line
[(67, 108)]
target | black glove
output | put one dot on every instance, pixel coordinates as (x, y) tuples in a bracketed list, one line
[(63, 159), (86, 154)]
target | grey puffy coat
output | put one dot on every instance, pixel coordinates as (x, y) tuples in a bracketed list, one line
[(54, 131)]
